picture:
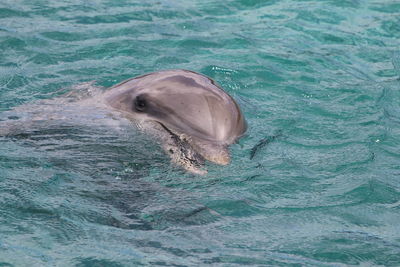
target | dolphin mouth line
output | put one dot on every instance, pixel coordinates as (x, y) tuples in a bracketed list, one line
[(173, 135), (182, 152)]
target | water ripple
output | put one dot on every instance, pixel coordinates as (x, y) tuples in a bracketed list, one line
[(325, 192)]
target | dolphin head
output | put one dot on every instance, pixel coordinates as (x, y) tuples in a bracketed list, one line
[(191, 115)]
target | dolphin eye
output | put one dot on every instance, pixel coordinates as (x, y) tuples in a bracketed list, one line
[(140, 103)]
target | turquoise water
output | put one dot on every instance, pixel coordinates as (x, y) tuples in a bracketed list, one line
[(315, 181)]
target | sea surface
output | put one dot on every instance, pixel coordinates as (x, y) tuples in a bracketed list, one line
[(314, 182)]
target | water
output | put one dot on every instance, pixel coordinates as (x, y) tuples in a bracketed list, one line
[(315, 182)]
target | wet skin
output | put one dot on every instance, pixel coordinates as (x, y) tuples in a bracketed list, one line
[(191, 115)]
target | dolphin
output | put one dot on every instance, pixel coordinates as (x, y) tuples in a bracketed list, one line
[(193, 118)]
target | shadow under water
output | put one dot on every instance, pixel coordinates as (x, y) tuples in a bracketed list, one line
[(94, 159)]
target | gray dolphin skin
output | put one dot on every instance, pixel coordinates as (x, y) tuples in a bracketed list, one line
[(191, 116)]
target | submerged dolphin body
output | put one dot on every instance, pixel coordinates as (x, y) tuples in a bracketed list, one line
[(188, 114), (191, 115)]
